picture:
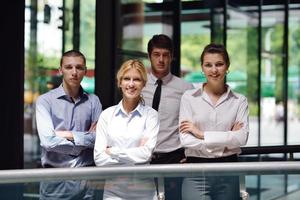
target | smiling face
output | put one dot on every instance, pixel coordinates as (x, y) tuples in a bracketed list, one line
[(132, 84), (73, 70), (214, 67), (160, 59)]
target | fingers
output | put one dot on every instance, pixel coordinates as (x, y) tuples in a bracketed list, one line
[(93, 127), (237, 126), (185, 126), (143, 142), (107, 150)]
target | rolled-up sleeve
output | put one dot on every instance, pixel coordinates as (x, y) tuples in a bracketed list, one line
[(101, 158), (49, 140), (188, 140), (87, 138)]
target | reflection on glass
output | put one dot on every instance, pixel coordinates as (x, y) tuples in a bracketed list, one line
[(195, 35), (242, 24), (67, 190), (139, 22), (48, 30), (272, 75), (294, 75)]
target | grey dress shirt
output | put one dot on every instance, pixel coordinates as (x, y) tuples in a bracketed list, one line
[(55, 111), (168, 111)]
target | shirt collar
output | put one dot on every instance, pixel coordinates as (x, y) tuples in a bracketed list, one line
[(199, 91), (138, 110), (60, 92), (166, 79)]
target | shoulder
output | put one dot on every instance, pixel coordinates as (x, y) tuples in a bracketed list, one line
[(239, 97), (149, 111), (93, 97), (109, 110), (179, 85), (46, 97), (190, 93)]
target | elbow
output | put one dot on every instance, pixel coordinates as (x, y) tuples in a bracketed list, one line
[(183, 141), (48, 146)]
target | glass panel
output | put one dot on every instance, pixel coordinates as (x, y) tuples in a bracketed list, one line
[(272, 75), (294, 74), (195, 35), (68, 24), (45, 38), (139, 22), (87, 41), (217, 22), (242, 23), (43, 43), (262, 180)]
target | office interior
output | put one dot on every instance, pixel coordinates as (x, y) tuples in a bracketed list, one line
[(262, 37)]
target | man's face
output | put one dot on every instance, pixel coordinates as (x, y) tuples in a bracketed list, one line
[(73, 70), (160, 61)]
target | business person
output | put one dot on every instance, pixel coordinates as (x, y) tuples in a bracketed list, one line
[(213, 127)]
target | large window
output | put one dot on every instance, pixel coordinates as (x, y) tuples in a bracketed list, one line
[(259, 35), (52, 27)]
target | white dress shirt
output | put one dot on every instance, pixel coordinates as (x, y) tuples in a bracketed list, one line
[(216, 122), (124, 133), (171, 92)]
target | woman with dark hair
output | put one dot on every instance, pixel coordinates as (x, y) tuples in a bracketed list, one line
[(213, 125)]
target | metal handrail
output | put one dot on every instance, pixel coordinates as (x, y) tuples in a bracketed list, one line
[(174, 170)]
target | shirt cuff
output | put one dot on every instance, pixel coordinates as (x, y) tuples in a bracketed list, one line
[(115, 152), (78, 138)]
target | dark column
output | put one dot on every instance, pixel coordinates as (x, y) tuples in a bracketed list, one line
[(12, 83), (76, 25), (105, 52), (176, 37)]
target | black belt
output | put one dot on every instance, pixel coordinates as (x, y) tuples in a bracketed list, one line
[(232, 158), (157, 155), (47, 166)]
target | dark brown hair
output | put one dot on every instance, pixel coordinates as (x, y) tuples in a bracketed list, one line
[(215, 48), (72, 53), (160, 41)]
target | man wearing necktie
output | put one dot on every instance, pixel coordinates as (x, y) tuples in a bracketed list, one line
[(163, 92)]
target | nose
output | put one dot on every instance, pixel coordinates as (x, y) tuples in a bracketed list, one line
[(214, 68), (131, 82), (74, 70), (160, 58)]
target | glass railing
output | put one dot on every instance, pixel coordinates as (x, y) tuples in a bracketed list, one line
[(258, 180)]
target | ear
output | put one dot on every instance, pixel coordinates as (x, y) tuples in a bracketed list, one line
[(60, 71)]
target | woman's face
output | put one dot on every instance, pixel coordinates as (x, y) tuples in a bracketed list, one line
[(214, 67), (132, 84)]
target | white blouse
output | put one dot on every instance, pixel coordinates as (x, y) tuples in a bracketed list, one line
[(216, 122), (124, 133), (132, 139)]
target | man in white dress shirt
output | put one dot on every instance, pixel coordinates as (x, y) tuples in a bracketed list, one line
[(168, 149)]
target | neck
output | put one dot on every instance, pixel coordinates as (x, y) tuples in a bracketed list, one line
[(130, 104), (159, 75), (216, 90), (73, 92)]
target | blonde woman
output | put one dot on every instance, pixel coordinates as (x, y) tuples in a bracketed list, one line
[(126, 135)]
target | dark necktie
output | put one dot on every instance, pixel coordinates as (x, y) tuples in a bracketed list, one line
[(156, 97)]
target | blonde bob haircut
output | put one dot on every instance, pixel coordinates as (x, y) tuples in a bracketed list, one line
[(132, 64)]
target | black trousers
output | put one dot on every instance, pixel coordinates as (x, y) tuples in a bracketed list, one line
[(211, 187), (172, 184)]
